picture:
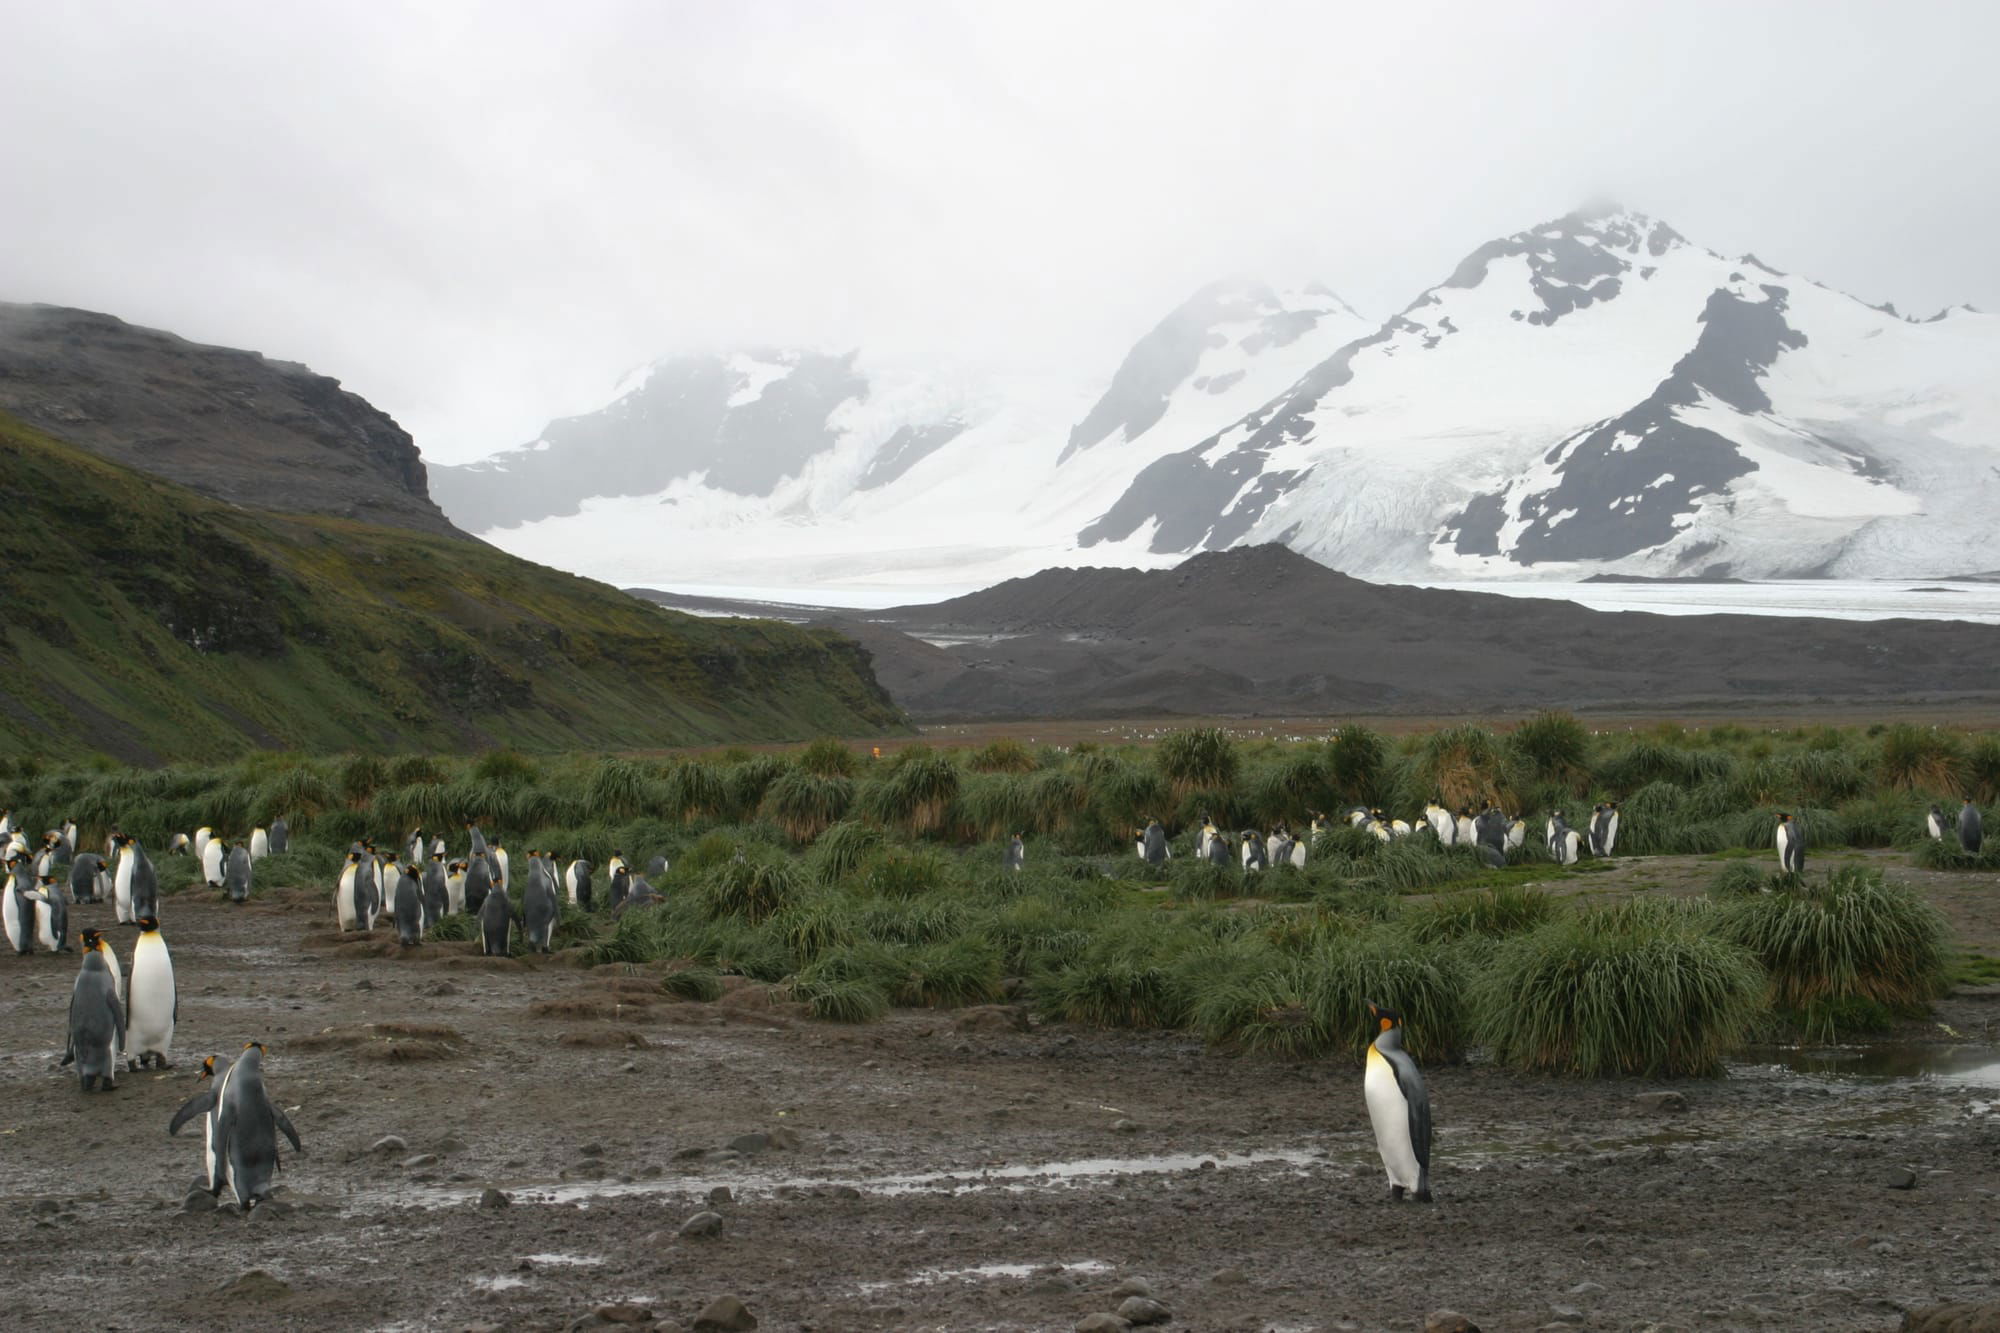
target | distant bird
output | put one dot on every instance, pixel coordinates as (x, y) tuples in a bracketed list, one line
[(1254, 859), (1791, 841), (1604, 829), (1399, 1108), (1970, 835), (1464, 828), (1153, 847), (1934, 823), (1017, 853), (1218, 851), (1565, 844)]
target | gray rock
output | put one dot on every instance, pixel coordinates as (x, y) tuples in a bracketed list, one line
[(1899, 1178), (44, 1208), (721, 1194), (783, 1137), (1448, 1321), (591, 1150), (701, 1226), (1661, 1101), (1133, 1286), (1125, 1126), (750, 1143), (389, 1145), (624, 1312), (493, 1198), (1143, 1310), (1101, 1323), (418, 1162), (198, 1201), (255, 1285), (844, 1192), (725, 1314), (1586, 1289)]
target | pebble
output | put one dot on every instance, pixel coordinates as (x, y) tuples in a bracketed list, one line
[(1133, 1286), (198, 1201), (493, 1198), (422, 1159), (1143, 1310), (721, 1194), (750, 1143), (1661, 1101), (364, 984), (1900, 1178), (388, 1145), (702, 1225), (1125, 1126), (725, 1314), (1101, 1323), (1448, 1321), (1586, 1289)]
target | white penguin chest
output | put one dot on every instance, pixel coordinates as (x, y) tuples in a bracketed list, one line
[(152, 1006), (1389, 1113)]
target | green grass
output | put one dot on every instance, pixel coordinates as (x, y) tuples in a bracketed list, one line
[(1975, 969)]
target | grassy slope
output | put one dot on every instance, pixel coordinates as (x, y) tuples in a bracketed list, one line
[(143, 621)]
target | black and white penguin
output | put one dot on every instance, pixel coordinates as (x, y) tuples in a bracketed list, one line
[(203, 1104), (199, 846), (477, 840), (248, 1125), (96, 1019), (1464, 827), (52, 915), (1205, 837), (153, 1004), (1565, 843), (496, 923), (260, 843), (1153, 847), (213, 853), (1399, 1107), (1517, 834), (478, 883), (1254, 859), (454, 886), (350, 895), (413, 847), (1935, 823), (1791, 840), (93, 939), (1219, 851), (1971, 836), (656, 866), (621, 886), (437, 893), (1594, 830), (236, 872), (281, 836), (576, 882), (1017, 853), (438, 848), (642, 894), (499, 863), (1281, 852), (539, 909), (408, 909), (17, 906), (1489, 828), (178, 845)]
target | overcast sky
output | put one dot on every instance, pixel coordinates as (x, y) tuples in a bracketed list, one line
[(479, 215)]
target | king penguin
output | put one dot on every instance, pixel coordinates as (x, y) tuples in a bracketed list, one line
[(213, 853), (1254, 859), (1399, 1107), (281, 836), (478, 883), (539, 909), (1017, 853), (155, 1005), (1934, 823), (1791, 840), (96, 1020), (203, 1104), (260, 843), (17, 908), (236, 874), (86, 877), (576, 879), (1219, 853), (437, 894), (93, 939), (496, 923), (1153, 845), (247, 1129), (52, 916), (139, 891), (1971, 836), (408, 909), (454, 887), (350, 895)]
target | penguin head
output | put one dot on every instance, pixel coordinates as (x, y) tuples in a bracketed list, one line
[(1784, 819), (148, 925), (437, 856), (90, 936), (1386, 1019), (207, 1068)]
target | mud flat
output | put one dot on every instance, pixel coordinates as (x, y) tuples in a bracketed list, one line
[(948, 1170)]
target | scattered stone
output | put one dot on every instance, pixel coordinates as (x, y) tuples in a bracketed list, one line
[(439, 988), (1230, 1277), (1133, 1286), (492, 1198), (1900, 1178), (629, 1067), (844, 1192), (256, 1285), (198, 1201), (689, 1154), (1661, 1101), (784, 1138), (1143, 1310), (1101, 1323), (591, 1150), (421, 1160), (1448, 1321), (702, 1226), (1969, 1317), (364, 984), (1586, 1289), (725, 1314), (750, 1143), (992, 1018), (1125, 1126), (45, 1207), (389, 1145), (624, 1313)]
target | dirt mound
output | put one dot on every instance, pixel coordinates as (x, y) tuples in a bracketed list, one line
[(392, 1042)]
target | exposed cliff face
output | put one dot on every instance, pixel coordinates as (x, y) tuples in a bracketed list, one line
[(227, 423)]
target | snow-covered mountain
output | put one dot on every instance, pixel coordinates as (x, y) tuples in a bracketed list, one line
[(787, 468), (1599, 395), (1596, 394)]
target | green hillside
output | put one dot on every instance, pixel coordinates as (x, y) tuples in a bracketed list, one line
[(143, 621)]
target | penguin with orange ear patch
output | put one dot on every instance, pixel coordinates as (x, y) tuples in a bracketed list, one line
[(1399, 1107)]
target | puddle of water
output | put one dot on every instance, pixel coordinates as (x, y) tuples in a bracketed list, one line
[(984, 1272), (1976, 1066), (499, 1283), (564, 1260)]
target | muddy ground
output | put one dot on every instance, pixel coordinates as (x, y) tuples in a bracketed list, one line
[(949, 1170)]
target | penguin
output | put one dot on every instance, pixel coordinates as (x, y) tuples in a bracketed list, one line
[(1017, 853), (1153, 845), (1280, 853), (1517, 834), (1492, 856), (390, 878), (213, 853), (17, 909), (52, 916), (642, 894), (502, 874), (1319, 824), (413, 850), (1441, 823), (1298, 854), (657, 866), (454, 887), (350, 895), (6, 822), (1253, 855), (1610, 828), (1550, 832), (1358, 817), (154, 1005), (69, 838), (136, 885), (1490, 828), (260, 843), (93, 939), (478, 883), (1565, 843), (539, 910), (478, 840), (1791, 840), (176, 846), (85, 872), (203, 1104), (436, 892), (1271, 844), (1378, 826), (1218, 851), (236, 873), (281, 836), (1399, 1108), (408, 909), (616, 862), (438, 848), (496, 923), (199, 846), (1399, 828), (1207, 836), (576, 879), (247, 1128), (621, 885), (96, 1020), (1462, 827), (1971, 836), (1934, 824)]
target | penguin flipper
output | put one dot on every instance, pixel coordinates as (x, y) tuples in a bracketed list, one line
[(1417, 1097), (285, 1127), (199, 1104)]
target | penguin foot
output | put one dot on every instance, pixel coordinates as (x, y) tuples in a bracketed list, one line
[(1423, 1196), (1395, 1194)]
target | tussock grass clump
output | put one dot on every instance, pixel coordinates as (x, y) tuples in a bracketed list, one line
[(1739, 879), (1553, 747), (1948, 855), (840, 850), (360, 775), (621, 789), (1197, 758), (1357, 765), (505, 768), (1921, 759), (1198, 881), (410, 769), (454, 926), (1639, 990), (916, 794), (1850, 937), (748, 779), (828, 757), (994, 805), (849, 985), (694, 790), (1646, 761), (1005, 755), (903, 873), (961, 971), (806, 804), (753, 885), (297, 794), (693, 983), (1492, 914), (1466, 766)]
